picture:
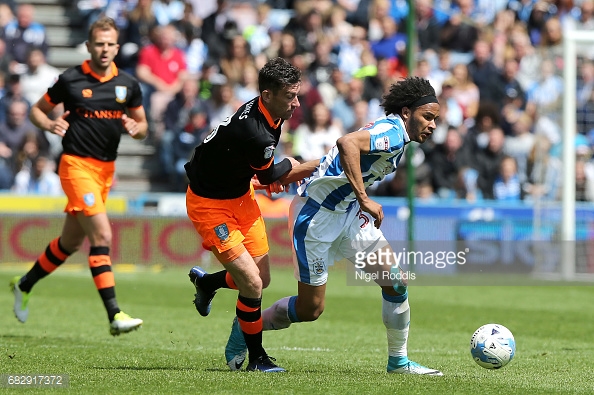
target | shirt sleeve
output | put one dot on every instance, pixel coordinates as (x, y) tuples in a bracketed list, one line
[(260, 153), (136, 96), (57, 92), (385, 137)]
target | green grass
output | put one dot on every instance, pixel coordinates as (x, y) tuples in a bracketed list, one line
[(344, 352)]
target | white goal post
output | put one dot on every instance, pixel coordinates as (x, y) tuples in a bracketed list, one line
[(571, 39)]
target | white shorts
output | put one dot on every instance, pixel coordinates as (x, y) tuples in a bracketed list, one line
[(321, 237)]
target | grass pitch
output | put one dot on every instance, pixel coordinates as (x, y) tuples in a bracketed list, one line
[(177, 351)]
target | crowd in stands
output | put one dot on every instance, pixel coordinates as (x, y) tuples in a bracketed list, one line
[(496, 67)]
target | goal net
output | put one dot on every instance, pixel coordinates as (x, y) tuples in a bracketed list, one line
[(564, 231)]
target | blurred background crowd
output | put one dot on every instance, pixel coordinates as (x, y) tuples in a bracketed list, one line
[(496, 67)]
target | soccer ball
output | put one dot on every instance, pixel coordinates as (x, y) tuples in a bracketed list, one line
[(492, 346)]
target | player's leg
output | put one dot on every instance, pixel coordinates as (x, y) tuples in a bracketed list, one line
[(312, 247), (246, 275), (207, 284), (56, 252), (98, 230), (395, 307)]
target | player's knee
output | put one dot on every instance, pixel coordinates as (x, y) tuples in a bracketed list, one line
[(311, 314), (254, 284), (265, 281)]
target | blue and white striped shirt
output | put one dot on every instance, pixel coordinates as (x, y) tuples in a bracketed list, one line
[(330, 187)]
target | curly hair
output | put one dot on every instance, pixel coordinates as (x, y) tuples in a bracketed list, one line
[(276, 74), (405, 92)]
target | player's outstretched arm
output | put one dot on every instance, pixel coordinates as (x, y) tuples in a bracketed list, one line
[(299, 172)]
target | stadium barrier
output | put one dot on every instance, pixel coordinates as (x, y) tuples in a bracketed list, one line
[(494, 236)]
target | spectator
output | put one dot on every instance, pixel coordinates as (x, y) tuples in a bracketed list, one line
[(584, 181), (343, 109), (428, 30), (218, 28), (527, 58), (520, 143), (333, 88), (247, 88), (39, 179), (196, 51), (323, 64), (377, 11), (349, 52), (38, 77), (507, 88), (507, 185), (465, 91), (488, 162), (543, 172), (168, 11), (551, 44), (13, 91), (482, 70), (392, 44), (14, 130), (31, 147), (546, 95), (175, 118), (237, 58), (23, 34), (257, 34), (451, 111), (317, 135), (141, 22), (438, 75), (447, 160), (460, 33), (90, 11), (161, 70), (222, 103), (184, 142)]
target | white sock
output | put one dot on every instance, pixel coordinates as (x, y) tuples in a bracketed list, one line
[(276, 316), (396, 317)]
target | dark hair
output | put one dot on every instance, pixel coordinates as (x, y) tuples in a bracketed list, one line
[(277, 74), (405, 92), (103, 23)]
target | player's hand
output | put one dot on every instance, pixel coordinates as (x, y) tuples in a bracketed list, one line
[(374, 209), (275, 187), (60, 125), (130, 125)]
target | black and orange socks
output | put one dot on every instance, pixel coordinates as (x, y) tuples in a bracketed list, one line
[(53, 256), (212, 282), (249, 315), (100, 264)]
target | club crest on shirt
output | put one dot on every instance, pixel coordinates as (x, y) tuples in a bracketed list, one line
[(222, 232), (268, 151), (121, 92), (89, 199), (382, 144), (318, 266)]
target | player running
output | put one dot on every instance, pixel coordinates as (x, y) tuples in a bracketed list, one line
[(101, 102), (332, 217), (221, 203)]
